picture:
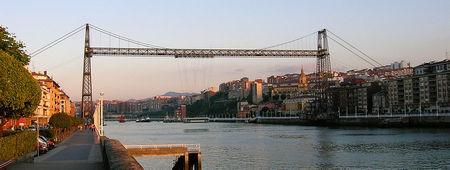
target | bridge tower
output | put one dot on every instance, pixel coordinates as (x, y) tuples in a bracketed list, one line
[(86, 105), (323, 67)]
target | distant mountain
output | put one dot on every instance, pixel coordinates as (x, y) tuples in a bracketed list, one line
[(131, 100), (176, 94)]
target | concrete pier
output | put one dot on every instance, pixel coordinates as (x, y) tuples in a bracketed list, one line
[(189, 154)]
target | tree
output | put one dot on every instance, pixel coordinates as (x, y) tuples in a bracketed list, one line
[(12, 47), (63, 121), (276, 97), (20, 93), (250, 99), (283, 96)]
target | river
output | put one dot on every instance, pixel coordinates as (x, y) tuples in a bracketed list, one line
[(262, 146)]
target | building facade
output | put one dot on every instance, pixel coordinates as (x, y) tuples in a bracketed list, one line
[(427, 90)]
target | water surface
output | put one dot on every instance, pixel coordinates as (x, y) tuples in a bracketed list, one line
[(257, 146)]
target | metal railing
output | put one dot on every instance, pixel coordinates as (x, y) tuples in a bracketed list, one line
[(190, 147), (394, 115)]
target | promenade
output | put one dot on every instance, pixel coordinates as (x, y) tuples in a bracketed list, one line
[(79, 151)]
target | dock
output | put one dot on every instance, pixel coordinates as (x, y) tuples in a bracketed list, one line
[(189, 153)]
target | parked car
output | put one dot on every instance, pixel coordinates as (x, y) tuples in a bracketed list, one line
[(42, 146), (50, 144), (31, 128)]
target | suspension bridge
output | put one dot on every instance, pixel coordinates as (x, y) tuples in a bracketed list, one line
[(321, 53)]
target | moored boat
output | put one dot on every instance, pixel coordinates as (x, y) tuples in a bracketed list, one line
[(122, 120)]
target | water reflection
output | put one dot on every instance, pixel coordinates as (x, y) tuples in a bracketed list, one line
[(324, 150)]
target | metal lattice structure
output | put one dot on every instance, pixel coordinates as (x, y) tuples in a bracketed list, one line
[(323, 67), (86, 94), (323, 60), (204, 53)]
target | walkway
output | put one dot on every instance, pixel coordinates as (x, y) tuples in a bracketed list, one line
[(79, 151)]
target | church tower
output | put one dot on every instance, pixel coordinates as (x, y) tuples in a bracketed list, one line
[(302, 79)]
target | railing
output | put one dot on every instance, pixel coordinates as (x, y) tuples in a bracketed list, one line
[(190, 147), (214, 119), (395, 115)]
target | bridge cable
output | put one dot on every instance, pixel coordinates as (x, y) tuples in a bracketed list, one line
[(351, 51), (356, 48), (287, 42), (124, 38), (57, 41)]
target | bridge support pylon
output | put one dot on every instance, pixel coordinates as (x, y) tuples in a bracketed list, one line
[(86, 105)]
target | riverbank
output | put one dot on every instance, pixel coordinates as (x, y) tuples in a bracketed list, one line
[(362, 121)]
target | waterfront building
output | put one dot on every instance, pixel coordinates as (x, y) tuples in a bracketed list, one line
[(53, 99), (66, 104), (380, 104), (180, 112), (352, 98), (256, 88), (427, 90), (236, 89), (243, 109), (296, 105), (207, 93), (289, 84), (42, 111)]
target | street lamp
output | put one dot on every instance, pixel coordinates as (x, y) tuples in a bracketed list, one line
[(37, 129), (101, 113)]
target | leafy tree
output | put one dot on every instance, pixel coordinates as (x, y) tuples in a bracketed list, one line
[(63, 121), (60, 121), (266, 97), (276, 97), (283, 96), (250, 99), (20, 93), (12, 47)]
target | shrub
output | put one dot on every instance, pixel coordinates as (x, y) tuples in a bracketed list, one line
[(17, 145), (47, 133), (64, 121)]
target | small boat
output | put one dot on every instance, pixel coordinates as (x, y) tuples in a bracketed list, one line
[(143, 120), (121, 119)]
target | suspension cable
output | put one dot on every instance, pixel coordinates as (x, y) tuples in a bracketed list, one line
[(351, 51), (287, 42), (124, 38), (57, 41), (355, 48)]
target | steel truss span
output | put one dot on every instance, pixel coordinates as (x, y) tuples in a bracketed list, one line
[(205, 53), (321, 54)]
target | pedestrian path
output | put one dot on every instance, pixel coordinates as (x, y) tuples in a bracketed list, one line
[(79, 151)]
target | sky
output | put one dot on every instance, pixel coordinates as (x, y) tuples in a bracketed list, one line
[(386, 30)]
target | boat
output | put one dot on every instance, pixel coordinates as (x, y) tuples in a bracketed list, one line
[(196, 120), (143, 120), (121, 119)]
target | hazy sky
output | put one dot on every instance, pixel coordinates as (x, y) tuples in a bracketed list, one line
[(414, 31)]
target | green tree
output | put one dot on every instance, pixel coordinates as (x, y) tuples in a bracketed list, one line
[(283, 96), (276, 97), (12, 47), (20, 93)]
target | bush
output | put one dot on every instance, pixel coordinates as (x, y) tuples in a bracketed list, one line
[(17, 145), (63, 121), (8, 132), (47, 133)]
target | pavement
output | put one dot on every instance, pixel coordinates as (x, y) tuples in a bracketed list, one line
[(79, 151)]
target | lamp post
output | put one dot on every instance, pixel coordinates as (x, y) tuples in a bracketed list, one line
[(101, 113), (37, 129)]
